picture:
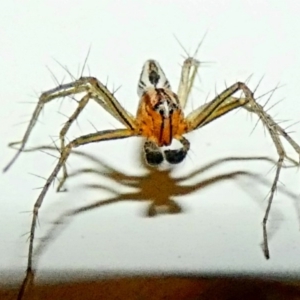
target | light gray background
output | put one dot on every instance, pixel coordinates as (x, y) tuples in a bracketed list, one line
[(220, 228)]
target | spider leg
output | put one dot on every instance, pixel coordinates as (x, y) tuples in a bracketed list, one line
[(188, 74), (272, 125), (232, 103), (81, 105), (153, 155), (225, 103), (178, 155), (217, 107), (96, 90), (275, 131), (86, 139)]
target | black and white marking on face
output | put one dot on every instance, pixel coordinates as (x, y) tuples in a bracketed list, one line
[(166, 105), (152, 76)]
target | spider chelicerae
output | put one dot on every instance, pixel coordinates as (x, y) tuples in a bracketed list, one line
[(159, 120)]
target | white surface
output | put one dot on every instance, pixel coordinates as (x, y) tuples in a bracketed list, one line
[(219, 229)]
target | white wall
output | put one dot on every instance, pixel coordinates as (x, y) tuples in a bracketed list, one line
[(219, 229)]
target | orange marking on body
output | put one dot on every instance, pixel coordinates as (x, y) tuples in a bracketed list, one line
[(155, 126)]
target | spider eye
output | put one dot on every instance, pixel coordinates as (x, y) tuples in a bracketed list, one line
[(161, 112), (164, 108), (172, 107)]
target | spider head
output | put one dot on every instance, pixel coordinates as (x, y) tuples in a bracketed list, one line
[(159, 116), (165, 105), (152, 76)]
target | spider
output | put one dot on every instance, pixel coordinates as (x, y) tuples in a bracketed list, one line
[(159, 120)]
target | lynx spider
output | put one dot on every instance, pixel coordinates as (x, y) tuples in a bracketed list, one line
[(159, 119)]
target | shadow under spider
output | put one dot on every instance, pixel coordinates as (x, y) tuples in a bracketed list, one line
[(155, 186)]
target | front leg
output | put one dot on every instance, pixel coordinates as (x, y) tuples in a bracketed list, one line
[(96, 91), (187, 78)]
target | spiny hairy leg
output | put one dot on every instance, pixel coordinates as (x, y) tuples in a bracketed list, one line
[(178, 155), (275, 132), (232, 103), (224, 103), (81, 105), (189, 72), (86, 139), (272, 126), (58, 92), (153, 154), (96, 91), (187, 78)]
